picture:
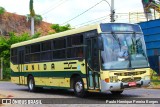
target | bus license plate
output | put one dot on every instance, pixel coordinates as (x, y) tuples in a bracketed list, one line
[(132, 84)]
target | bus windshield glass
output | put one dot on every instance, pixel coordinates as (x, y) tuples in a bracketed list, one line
[(123, 51)]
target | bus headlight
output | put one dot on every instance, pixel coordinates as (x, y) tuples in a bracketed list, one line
[(147, 77), (113, 78)]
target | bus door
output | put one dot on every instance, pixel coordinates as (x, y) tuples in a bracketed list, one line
[(92, 58), (21, 65)]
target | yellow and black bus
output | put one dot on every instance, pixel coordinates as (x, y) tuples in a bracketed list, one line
[(102, 57)]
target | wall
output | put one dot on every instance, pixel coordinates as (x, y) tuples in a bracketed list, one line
[(151, 30)]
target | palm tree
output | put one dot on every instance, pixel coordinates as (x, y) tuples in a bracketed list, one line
[(32, 14)]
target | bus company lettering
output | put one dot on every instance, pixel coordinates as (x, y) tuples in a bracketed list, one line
[(70, 65)]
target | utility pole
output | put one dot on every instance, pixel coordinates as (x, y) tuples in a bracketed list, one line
[(32, 26), (1, 69), (112, 11), (32, 15)]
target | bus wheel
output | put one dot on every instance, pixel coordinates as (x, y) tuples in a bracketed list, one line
[(117, 92), (31, 84), (78, 86)]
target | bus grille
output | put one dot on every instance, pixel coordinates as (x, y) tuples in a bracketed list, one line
[(130, 73), (131, 80)]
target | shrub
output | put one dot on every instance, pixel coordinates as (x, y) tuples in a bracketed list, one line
[(5, 44)]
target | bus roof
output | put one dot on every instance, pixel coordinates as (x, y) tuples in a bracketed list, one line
[(62, 34), (57, 35)]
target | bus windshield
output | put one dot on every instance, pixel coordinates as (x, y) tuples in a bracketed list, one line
[(123, 51)]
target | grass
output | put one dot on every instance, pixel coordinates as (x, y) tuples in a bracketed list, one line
[(5, 80), (155, 80)]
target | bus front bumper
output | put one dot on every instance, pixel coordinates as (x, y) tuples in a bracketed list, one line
[(122, 86)]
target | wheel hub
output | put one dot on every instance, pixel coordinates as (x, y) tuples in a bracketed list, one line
[(78, 87), (31, 84)]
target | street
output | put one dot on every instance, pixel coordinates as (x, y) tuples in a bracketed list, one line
[(11, 90)]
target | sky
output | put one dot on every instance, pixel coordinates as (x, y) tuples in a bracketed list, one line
[(61, 11)]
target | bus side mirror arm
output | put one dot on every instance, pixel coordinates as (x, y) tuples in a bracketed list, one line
[(100, 43)]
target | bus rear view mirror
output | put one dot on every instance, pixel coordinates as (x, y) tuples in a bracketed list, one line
[(100, 43)]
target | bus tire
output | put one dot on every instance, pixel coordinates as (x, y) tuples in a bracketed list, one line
[(78, 87), (117, 92), (31, 84)]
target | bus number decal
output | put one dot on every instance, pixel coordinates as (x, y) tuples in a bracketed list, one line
[(70, 65)]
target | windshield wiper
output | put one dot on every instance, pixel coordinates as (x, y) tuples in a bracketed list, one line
[(117, 39), (129, 54)]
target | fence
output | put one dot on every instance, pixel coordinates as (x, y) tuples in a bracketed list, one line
[(135, 17), (131, 17)]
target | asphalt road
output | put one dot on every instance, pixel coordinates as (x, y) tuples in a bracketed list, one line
[(15, 91)]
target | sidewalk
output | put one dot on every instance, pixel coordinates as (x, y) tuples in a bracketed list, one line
[(2, 96), (155, 83), (154, 87)]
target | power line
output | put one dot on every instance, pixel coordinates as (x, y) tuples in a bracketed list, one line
[(51, 9), (125, 17), (91, 21), (103, 18), (95, 22), (99, 21), (55, 7), (42, 12), (82, 13)]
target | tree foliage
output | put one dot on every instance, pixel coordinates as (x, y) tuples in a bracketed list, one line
[(32, 12), (37, 18), (5, 44), (2, 10), (59, 28)]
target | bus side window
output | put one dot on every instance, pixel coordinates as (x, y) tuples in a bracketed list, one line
[(95, 57), (75, 46), (80, 52), (14, 55), (59, 48)]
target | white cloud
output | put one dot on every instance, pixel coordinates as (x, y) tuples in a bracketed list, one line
[(16, 6), (70, 9)]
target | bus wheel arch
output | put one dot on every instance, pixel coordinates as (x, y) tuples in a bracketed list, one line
[(31, 83), (78, 86), (29, 75), (72, 78)]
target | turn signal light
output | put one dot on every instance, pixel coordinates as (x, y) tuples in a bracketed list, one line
[(106, 79)]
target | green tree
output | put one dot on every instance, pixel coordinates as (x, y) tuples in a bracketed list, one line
[(5, 44), (37, 18), (59, 28), (2, 11)]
